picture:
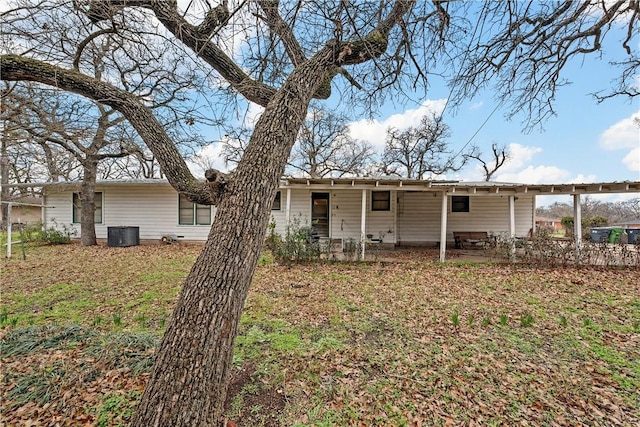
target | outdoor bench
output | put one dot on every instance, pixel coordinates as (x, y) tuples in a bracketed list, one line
[(473, 238)]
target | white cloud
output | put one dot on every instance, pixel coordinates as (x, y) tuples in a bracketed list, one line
[(253, 114), (624, 135), (207, 157), (521, 155), (544, 175), (375, 131), (519, 169), (476, 105), (632, 160)]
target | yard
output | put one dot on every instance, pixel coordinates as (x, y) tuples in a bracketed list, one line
[(400, 342)]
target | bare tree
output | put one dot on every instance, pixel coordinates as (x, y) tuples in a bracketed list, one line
[(613, 212), (57, 123), (500, 154), (293, 52), (420, 151), (325, 148)]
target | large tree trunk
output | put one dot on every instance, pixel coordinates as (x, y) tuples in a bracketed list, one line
[(87, 198), (189, 381), (4, 168)]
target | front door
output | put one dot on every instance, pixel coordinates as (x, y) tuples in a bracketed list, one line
[(320, 214)]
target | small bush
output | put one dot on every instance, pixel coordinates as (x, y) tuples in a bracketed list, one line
[(298, 244), (56, 234)]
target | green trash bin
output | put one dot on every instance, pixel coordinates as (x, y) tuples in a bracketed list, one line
[(614, 235)]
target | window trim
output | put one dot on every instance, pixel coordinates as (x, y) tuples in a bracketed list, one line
[(194, 208), (464, 200), (277, 198), (386, 201), (77, 218)]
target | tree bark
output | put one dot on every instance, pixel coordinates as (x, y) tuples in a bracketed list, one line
[(189, 380), (188, 384), (4, 166), (87, 198)]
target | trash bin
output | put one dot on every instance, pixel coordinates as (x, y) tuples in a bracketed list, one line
[(600, 234), (122, 236), (614, 235), (634, 236)]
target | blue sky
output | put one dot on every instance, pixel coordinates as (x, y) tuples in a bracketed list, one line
[(584, 142)]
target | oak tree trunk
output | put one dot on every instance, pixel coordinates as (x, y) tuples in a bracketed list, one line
[(188, 384), (87, 199)]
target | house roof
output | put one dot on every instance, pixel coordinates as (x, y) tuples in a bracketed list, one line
[(450, 187), (465, 188)]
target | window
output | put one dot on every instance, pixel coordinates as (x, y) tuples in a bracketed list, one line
[(190, 213), (77, 208), (381, 200), (276, 202), (459, 203)]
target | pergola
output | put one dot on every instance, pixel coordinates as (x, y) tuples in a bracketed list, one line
[(460, 188)]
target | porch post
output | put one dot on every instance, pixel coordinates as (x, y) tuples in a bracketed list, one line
[(9, 221), (443, 227), (287, 209), (577, 225), (363, 223), (512, 228)]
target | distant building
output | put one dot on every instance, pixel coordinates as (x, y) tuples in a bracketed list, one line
[(25, 210), (551, 224), (628, 223)]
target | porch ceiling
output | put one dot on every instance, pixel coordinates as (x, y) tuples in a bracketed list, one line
[(461, 188)]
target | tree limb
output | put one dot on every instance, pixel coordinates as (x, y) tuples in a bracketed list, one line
[(14, 67)]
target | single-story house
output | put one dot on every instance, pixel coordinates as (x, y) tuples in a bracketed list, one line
[(390, 211), (25, 210), (628, 223), (551, 224)]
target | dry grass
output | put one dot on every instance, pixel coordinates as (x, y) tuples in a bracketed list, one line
[(403, 342)]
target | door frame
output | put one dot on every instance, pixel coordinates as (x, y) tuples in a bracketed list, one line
[(322, 195)]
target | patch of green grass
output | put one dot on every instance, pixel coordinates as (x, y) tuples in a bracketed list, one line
[(34, 339), (257, 342), (61, 303), (117, 409), (503, 319), (526, 320), (455, 319)]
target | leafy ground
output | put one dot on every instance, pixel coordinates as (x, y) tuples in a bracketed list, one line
[(405, 342)]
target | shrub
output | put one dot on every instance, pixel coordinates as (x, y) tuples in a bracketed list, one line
[(56, 234), (298, 244)]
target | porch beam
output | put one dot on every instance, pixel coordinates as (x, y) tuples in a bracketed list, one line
[(443, 227)]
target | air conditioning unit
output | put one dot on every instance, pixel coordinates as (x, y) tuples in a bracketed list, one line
[(121, 237)]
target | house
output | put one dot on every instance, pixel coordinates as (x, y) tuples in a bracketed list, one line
[(628, 223), (550, 224), (25, 210), (389, 211)]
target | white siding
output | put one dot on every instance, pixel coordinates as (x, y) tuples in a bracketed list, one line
[(382, 223), (345, 213), (300, 210), (153, 208), (419, 216), (413, 218)]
